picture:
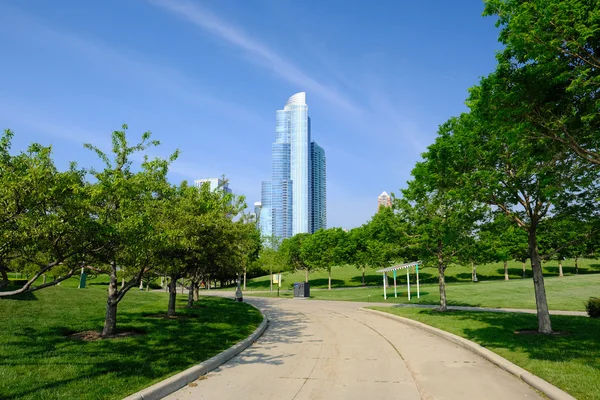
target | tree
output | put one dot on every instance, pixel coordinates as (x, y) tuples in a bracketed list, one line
[(126, 206), (45, 220), (290, 251), (326, 248), (526, 179), (551, 57), (270, 257), (503, 240), (439, 217), (366, 251)]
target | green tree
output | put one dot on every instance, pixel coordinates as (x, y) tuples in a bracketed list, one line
[(127, 206), (290, 251), (45, 220), (366, 251), (326, 248), (551, 59), (500, 163)]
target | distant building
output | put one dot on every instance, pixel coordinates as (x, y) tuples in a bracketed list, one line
[(294, 200), (384, 200), (257, 209), (215, 183)]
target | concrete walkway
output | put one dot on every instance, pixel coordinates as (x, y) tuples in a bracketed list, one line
[(332, 350)]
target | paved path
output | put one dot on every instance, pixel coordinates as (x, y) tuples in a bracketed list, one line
[(332, 350)]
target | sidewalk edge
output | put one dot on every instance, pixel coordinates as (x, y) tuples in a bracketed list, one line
[(176, 382), (534, 381)]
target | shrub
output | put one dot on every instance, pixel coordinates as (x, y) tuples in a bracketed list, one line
[(593, 307)]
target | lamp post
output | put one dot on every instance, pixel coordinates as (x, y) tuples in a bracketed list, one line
[(238, 291)]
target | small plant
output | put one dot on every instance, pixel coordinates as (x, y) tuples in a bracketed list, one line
[(593, 307)]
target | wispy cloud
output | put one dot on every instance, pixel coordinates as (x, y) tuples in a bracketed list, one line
[(265, 55), (126, 63)]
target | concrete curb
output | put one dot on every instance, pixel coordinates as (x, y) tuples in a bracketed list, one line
[(551, 391), (176, 382)]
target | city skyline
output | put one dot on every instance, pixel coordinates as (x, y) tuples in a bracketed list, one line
[(294, 200)]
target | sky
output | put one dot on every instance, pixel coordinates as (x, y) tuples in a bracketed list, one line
[(206, 77)]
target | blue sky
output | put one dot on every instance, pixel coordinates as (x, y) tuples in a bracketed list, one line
[(207, 76)]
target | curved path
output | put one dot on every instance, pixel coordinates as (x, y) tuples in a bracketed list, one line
[(332, 350)]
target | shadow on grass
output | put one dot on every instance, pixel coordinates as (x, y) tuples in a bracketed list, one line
[(583, 342), (116, 367)]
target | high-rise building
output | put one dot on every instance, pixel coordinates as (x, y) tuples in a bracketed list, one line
[(318, 182), (384, 200), (288, 199), (256, 213), (215, 183)]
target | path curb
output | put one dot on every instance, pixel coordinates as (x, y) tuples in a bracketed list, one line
[(536, 382), (176, 382)]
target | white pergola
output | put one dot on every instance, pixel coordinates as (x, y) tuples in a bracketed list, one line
[(395, 268)]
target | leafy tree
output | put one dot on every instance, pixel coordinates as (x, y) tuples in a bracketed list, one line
[(290, 251), (127, 206), (551, 58), (503, 240), (527, 179), (270, 258), (440, 219), (365, 251), (326, 248), (45, 223)]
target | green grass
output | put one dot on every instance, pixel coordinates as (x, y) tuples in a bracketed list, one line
[(350, 276), (39, 361), (570, 362), (566, 293)]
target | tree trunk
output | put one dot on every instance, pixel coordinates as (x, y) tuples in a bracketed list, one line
[(329, 283), (271, 280), (543, 315), (524, 274), (197, 291), (190, 302), (576, 266), (306, 275), (44, 279), (5, 282), (148, 286), (560, 271), (110, 320), (505, 270), (442, 278), (363, 276), (244, 278), (172, 296), (122, 283), (182, 285), (473, 272)]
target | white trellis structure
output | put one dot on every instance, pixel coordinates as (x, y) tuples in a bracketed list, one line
[(394, 269)]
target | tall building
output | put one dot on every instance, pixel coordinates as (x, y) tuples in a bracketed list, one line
[(215, 183), (318, 182), (256, 213), (384, 200), (294, 200)]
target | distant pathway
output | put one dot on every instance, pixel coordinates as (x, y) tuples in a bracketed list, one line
[(331, 350)]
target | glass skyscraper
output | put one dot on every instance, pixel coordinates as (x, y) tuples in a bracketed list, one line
[(289, 205)]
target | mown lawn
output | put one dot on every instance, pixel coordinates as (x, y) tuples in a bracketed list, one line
[(39, 361), (350, 276), (570, 362), (566, 293)]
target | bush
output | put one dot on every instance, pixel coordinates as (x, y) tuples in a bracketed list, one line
[(593, 307)]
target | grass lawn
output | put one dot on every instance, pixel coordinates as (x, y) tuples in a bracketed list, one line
[(39, 361), (566, 293), (570, 362), (349, 276)]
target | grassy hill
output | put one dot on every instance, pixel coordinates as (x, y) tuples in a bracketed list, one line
[(349, 276)]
